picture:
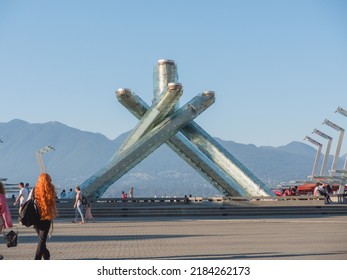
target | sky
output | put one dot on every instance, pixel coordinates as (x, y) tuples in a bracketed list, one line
[(278, 68)]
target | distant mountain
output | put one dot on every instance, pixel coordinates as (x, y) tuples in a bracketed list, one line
[(79, 154), (295, 148)]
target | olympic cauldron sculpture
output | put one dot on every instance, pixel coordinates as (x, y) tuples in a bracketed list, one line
[(164, 122)]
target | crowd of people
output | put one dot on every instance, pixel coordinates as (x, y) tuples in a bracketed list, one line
[(130, 194), (320, 189), (290, 191), (45, 196)]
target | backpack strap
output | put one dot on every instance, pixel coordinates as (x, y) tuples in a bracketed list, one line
[(32, 194)]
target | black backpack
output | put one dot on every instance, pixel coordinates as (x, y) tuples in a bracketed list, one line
[(29, 214)]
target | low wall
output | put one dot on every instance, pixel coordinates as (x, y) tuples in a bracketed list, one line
[(202, 206)]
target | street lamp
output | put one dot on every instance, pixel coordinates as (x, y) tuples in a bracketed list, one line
[(327, 150), (319, 145), (39, 157), (339, 144)]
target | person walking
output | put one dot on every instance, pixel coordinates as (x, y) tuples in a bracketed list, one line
[(78, 205), (22, 197), (5, 215), (45, 197), (89, 216), (131, 192), (340, 193)]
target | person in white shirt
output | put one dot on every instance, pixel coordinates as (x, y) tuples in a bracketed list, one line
[(131, 192), (322, 191), (340, 193), (22, 197), (78, 205)]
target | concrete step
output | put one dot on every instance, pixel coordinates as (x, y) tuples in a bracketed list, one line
[(242, 211), (104, 210)]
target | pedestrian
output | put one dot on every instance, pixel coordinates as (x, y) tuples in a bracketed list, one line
[(340, 193), (45, 197), (287, 192), (89, 216), (5, 215), (123, 195), (70, 193), (317, 191), (329, 189), (63, 194), (78, 205), (22, 197), (328, 192), (131, 192), (321, 191), (296, 190)]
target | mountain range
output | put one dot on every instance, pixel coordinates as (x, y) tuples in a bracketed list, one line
[(79, 154)]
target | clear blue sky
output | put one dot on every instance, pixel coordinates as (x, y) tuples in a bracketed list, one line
[(279, 68)]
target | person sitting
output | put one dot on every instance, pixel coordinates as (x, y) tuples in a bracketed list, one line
[(287, 192), (63, 194), (322, 191)]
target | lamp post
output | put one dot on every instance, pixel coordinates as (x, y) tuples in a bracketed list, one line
[(327, 150), (319, 145), (39, 157), (339, 144)]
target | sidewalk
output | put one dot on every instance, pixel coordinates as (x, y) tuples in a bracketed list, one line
[(310, 237)]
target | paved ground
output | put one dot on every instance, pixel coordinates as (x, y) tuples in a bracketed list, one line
[(315, 238)]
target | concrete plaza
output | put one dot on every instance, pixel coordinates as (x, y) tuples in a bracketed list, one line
[(316, 237)]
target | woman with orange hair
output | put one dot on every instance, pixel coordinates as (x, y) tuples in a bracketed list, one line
[(45, 197)]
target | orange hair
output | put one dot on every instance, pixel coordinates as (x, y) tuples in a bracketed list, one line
[(45, 197)]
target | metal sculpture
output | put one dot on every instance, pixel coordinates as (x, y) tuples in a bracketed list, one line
[(327, 149), (165, 122), (318, 153), (338, 146)]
